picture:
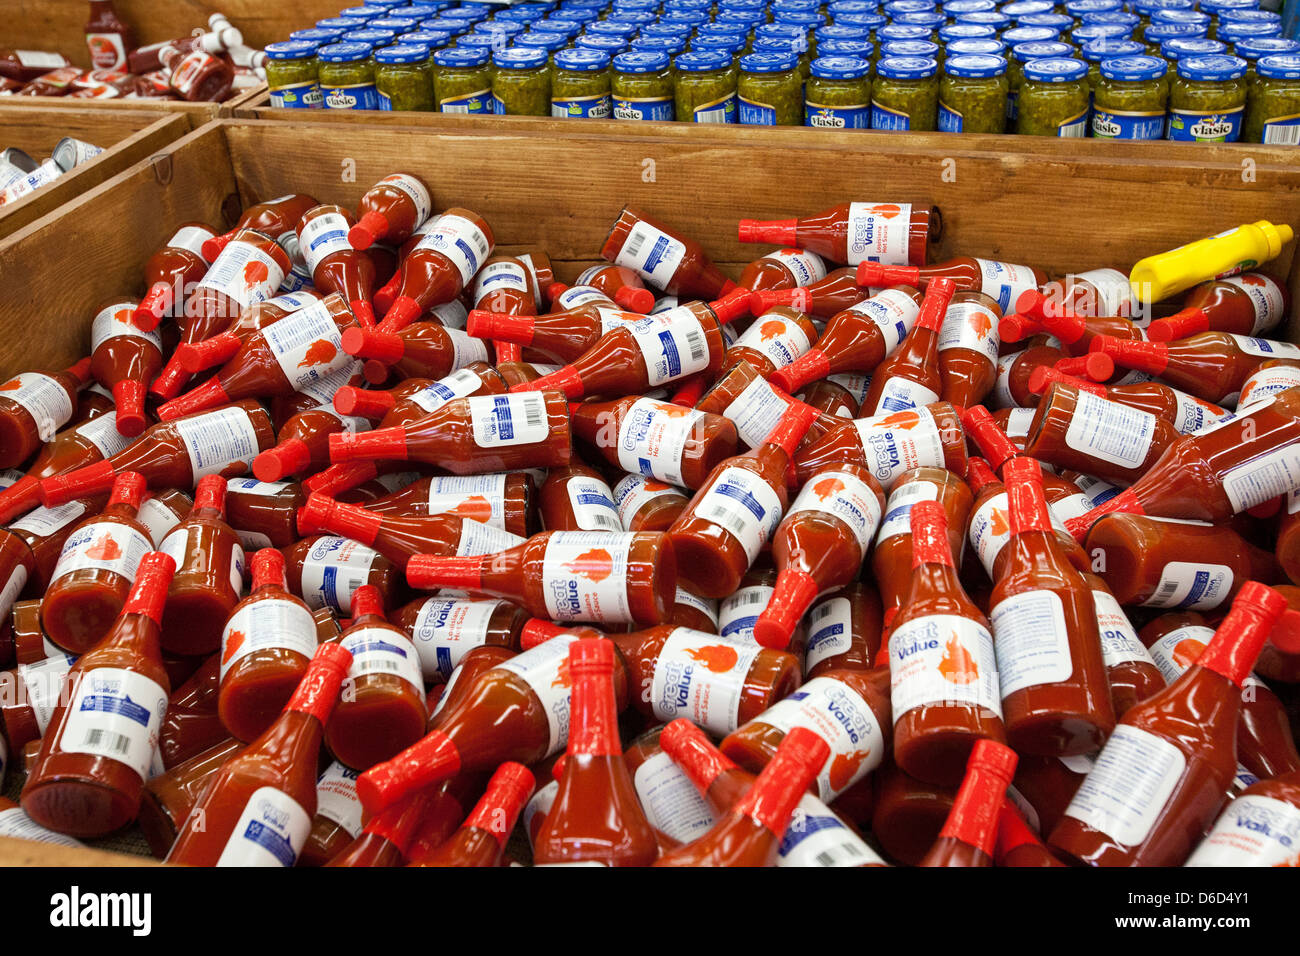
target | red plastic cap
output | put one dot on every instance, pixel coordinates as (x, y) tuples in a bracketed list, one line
[(691, 391), (809, 367), (148, 594), (367, 602), (196, 357), (351, 521), (128, 397), (426, 572), (128, 489), (152, 307), (207, 396), (1022, 468), (794, 593), (350, 400), (992, 757), (564, 380), (538, 631), (591, 655), (978, 473), (781, 232), (400, 314), (1044, 376), (427, 761), (93, 479), (636, 300), (929, 525), (386, 347), (211, 248), (170, 381), (286, 458), (318, 691), (1269, 600), (210, 492), (19, 498), (1032, 305), (501, 327), (507, 792), (734, 305), (998, 449), (1016, 327), (268, 569), (369, 228), (1180, 325), (336, 479)]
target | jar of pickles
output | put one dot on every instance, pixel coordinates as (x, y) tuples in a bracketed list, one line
[(402, 78), (1053, 99), (462, 80), (770, 89), (1132, 98), (1020, 55), (1273, 114), (705, 91), (521, 82), (291, 75), (1252, 50), (580, 85), (973, 94), (838, 94), (905, 95), (642, 86), (1207, 99), (347, 77)]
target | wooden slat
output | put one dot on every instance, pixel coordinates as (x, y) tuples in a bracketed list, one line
[(16, 852)]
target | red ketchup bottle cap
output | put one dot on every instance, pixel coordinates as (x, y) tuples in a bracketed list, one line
[(326, 514), (268, 568), (400, 314), (212, 247), (337, 479), (381, 443), (286, 458), (196, 357), (350, 400), (148, 593), (128, 488), (734, 305), (386, 347), (367, 602), (84, 482), (993, 757), (538, 631), (207, 396)]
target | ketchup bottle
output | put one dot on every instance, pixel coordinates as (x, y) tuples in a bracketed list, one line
[(1002, 282), (596, 816), (169, 797), (856, 339), (969, 834), (1258, 828), (621, 284), (824, 298), (662, 257), (423, 349), (257, 810), (891, 561), (481, 839), (195, 357), (1211, 365), (100, 745), (896, 234), (472, 436), (277, 218), (889, 445), (1076, 333), (1165, 771), (1017, 845), (124, 359), (171, 273), (72, 448), (945, 694), (335, 266), (34, 406), (909, 377), (209, 573), (1246, 304), (1184, 412), (382, 711), (97, 565), (197, 76), (390, 211), (440, 265), (777, 338), (968, 349), (107, 37), (820, 544), (1130, 671)]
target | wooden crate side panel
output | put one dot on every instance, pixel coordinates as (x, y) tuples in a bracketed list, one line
[(200, 113), (36, 130), (16, 852)]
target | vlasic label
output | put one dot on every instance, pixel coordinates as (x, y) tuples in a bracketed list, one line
[(446, 629), (323, 236), (830, 631), (777, 337), (671, 803), (882, 117), (1110, 431), (336, 797), (43, 398), (738, 612), (1129, 785), (1120, 643), (244, 273), (383, 650), (461, 241), (585, 576), (299, 96), (508, 419), (754, 113), (307, 344), (836, 117), (743, 504), (271, 831), (672, 343), (661, 109), (1004, 282), (652, 437), (477, 103), (878, 232), (103, 546), (968, 325), (115, 713), (1197, 126), (582, 107), (1032, 642), (949, 119), (545, 669), (848, 498), (701, 677), (261, 625), (1117, 124), (592, 503), (358, 96), (654, 254), (899, 442), (479, 498), (723, 110), (217, 440), (1252, 830), (943, 659), (333, 569)]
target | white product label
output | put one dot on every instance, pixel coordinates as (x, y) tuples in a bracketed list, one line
[(263, 624), (990, 528), (1110, 431), (777, 337), (633, 492), (115, 713), (307, 344), (383, 650), (1193, 413), (191, 238), (322, 387), (1178, 650), (1031, 641), (500, 275), (12, 588), (671, 803), (894, 312), (585, 576), (701, 677), (38, 59), (900, 394), (840, 716), (847, 497), (652, 437), (878, 232), (453, 314), (706, 606), (1253, 830), (899, 442), (673, 344), (652, 253), (418, 192), (1189, 586), (458, 384), (43, 398), (830, 631), (477, 539), (43, 522), (743, 504), (898, 512), (942, 659), (158, 518), (816, 837), (466, 349), (1114, 292), (578, 295), (446, 629), (216, 440), (253, 540), (103, 546), (15, 823), (1119, 641), (545, 669), (1018, 422), (43, 685), (114, 321), (461, 241), (1266, 348), (852, 382), (969, 325), (333, 570), (271, 831), (323, 236), (805, 267), (1002, 397), (738, 612), (176, 546), (1004, 283), (1266, 298), (593, 504), (1132, 780), (1270, 474), (336, 797), (244, 273), (755, 412), (1264, 382), (508, 419), (103, 434), (479, 498)]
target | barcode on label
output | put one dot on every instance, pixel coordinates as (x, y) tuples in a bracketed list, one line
[(1278, 135), (837, 854), (116, 743), (753, 597), (819, 612), (634, 242), (734, 521), (695, 342), (379, 664), (533, 413), (1167, 589)]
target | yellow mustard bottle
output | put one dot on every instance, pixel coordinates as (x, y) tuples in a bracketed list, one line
[(1158, 277)]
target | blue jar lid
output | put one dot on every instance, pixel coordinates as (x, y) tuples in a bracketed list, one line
[(1147, 7), (873, 21), (929, 18), (606, 44), (499, 28), (1026, 8), (1234, 30), (975, 65), (1279, 66), (608, 28), (1055, 69), (1181, 16), (461, 57), (842, 31), (742, 18), (1132, 69), (520, 58), (400, 24), (702, 61), (383, 4), (522, 15), (371, 37), (651, 5), (967, 31), (955, 7), (1216, 7), (1077, 8), (550, 42), (689, 17), (847, 6), (1017, 35), (465, 12), (768, 62), (570, 28), (337, 23), (903, 31), (1129, 20), (806, 19), (985, 45), (906, 67), (1257, 47), (780, 30), (894, 7), (480, 41), (402, 53), (344, 52), (420, 10), (641, 61), (318, 36), (1098, 31), (640, 17), (1042, 50), (360, 13), (1250, 16), (994, 18), (857, 48), (454, 25), (718, 44), (1213, 68), (1099, 51), (1057, 21), (841, 67), (291, 50), (430, 38), (1179, 47), (1160, 32), (669, 45), (910, 48), (582, 61)]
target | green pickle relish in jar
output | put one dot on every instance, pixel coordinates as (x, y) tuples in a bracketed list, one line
[(580, 85), (1273, 114), (521, 82), (838, 94), (706, 87), (1020, 55), (462, 80), (1053, 99), (642, 86), (770, 90), (1099, 51), (1132, 98), (291, 75), (973, 94), (347, 77), (1252, 50), (402, 78), (905, 95), (1207, 99)]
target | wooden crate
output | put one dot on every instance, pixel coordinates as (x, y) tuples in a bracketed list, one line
[(196, 113), (126, 136)]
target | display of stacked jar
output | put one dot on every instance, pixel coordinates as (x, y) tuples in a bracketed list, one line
[(1194, 70)]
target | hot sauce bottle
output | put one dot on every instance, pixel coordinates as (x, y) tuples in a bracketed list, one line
[(776, 338), (169, 797), (1017, 845), (171, 274), (266, 646), (1055, 697), (191, 724), (596, 816), (563, 335), (195, 357), (969, 834), (1165, 771), (440, 266), (503, 501), (1036, 312), (416, 396), (892, 233), (843, 630), (945, 693), (1258, 828), (1210, 365), (663, 257), (263, 514), (386, 836), (891, 444), (334, 266), (891, 561), (1185, 412), (276, 218), (576, 498), (1003, 282), (647, 505), (257, 810), (124, 359), (73, 447), (1246, 304), (421, 349), (481, 839), (390, 211), (96, 755), (1130, 671), (833, 293), (909, 377), (968, 349), (754, 406), (34, 406), (445, 629), (620, 283), (302, 443)]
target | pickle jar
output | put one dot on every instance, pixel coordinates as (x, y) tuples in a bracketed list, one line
[(1207, 99), (1020, 55), (864, 49), (462, 80), (731, 46), (905, 95), (402, 78), (1158, 33), (580, 85), (705, 91), (926, 49), (1093, 32), (1252, 50), (1053, 99), (973, 94), (521, 82), (1018, 35), (770, 89), (371, 38), (292, 75), (989, 46), (642, 86), (552, 43), (1099, 51), (1233, 32), (670, 45), (610, 46), (1179, 47), (783, 45), (1176, 16), (1019, 9), (1132, 98), (347, 77), (1273, 113), (838, 94)]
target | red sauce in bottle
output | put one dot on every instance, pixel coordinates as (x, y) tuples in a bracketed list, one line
[(969, 833)]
